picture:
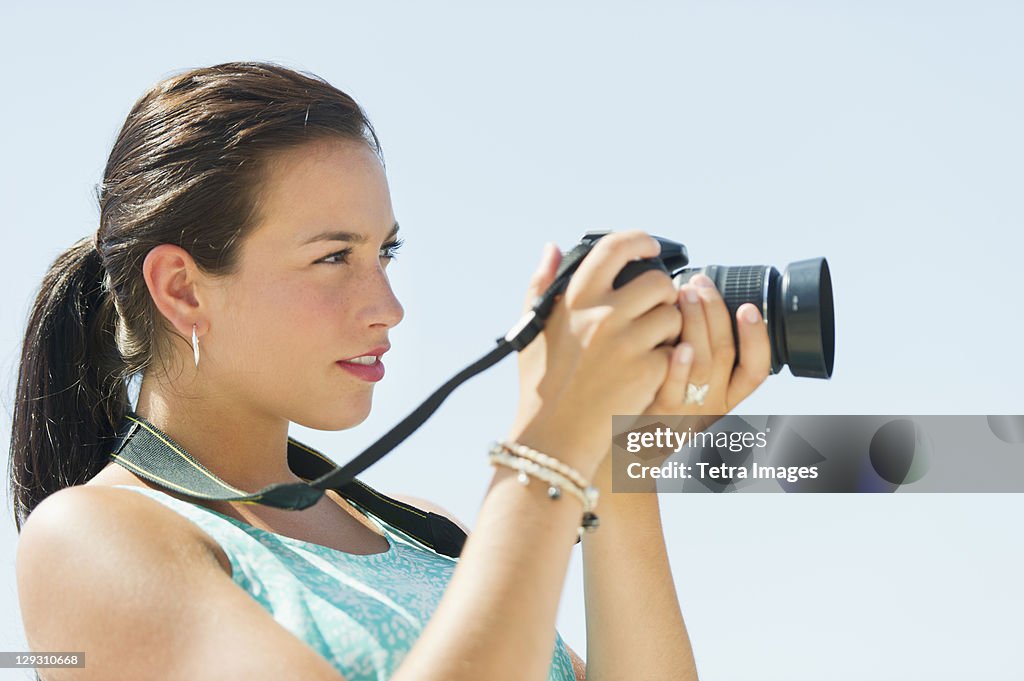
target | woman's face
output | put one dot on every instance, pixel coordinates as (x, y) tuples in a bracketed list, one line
[(312, 289)]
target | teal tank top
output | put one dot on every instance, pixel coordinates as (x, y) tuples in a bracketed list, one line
[(362, 613)]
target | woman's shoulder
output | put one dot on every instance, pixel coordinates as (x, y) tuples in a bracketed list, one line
[(129, 581), (103, 555), (95, 519), (425, 505)]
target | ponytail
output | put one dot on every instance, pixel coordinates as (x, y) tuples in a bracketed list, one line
[(71, 394)]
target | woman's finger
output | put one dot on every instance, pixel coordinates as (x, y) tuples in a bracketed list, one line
[(695, 332), (755, 354), (646, 291), (655, 327), (720, 336), (593, 279), (543, 276), (672, 392)]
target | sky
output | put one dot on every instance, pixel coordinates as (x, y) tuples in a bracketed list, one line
[(885, 136)]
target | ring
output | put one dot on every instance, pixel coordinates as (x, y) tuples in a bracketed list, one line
[(696, 393)]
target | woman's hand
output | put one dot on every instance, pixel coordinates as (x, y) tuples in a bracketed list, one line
[(603, 351), (706, 355)]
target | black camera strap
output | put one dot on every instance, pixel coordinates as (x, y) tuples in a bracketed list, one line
[(152, 454), (144, 449)]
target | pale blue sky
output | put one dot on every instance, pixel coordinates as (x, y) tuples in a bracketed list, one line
[(884, 135)]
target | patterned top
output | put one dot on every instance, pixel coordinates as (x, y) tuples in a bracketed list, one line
[(362, 613)]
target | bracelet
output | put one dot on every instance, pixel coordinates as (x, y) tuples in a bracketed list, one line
[(552, 463), (545, 460), (567, 473), (557, 483), (589, 499)]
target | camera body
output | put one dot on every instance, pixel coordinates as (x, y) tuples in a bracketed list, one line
[(796, 304)]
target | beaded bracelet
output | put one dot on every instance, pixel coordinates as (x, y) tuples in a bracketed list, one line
[(552, 464), (545, 460), (555, 480)]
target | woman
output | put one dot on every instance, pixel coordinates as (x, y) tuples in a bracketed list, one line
[(241, 266)]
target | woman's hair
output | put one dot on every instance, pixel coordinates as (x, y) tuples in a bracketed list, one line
[(186, 169)]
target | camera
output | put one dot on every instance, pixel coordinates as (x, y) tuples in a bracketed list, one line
[(796, 305)]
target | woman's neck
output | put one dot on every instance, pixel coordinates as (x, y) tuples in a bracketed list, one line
[(244, 448)]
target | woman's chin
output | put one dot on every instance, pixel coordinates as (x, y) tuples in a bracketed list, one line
[(343, 417)]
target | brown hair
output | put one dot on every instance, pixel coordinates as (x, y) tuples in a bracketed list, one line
[(186, 169)]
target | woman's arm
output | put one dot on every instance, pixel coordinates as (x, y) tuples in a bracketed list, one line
[(601, 356), (496, 620), (578, 665), (635, 628), (634, 624)]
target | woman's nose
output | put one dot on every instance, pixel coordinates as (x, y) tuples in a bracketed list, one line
[(384, 308)]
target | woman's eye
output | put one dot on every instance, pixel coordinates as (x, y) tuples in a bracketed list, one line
[(390, 250), (343, 255)]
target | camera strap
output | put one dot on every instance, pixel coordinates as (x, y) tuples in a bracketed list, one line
[(150, 453), (147, 451)]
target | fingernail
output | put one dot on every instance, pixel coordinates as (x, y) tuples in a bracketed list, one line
[(708, 293), (685, 353), (690, 293), (751, 315), (703, 280)]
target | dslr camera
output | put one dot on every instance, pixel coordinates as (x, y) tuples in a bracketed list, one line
[(796, 304)]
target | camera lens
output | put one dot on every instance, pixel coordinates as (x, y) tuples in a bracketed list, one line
[(796, 305)]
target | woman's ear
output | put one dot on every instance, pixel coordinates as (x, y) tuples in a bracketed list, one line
[(171, 276)]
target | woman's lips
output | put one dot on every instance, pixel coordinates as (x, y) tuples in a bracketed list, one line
[(368, 372)]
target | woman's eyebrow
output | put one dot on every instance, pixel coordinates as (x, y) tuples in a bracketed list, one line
[(341, 235)]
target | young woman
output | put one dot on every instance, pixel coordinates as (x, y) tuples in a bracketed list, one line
[(240, 266)]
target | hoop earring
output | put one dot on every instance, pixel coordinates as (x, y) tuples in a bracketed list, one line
[(195, 345)]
